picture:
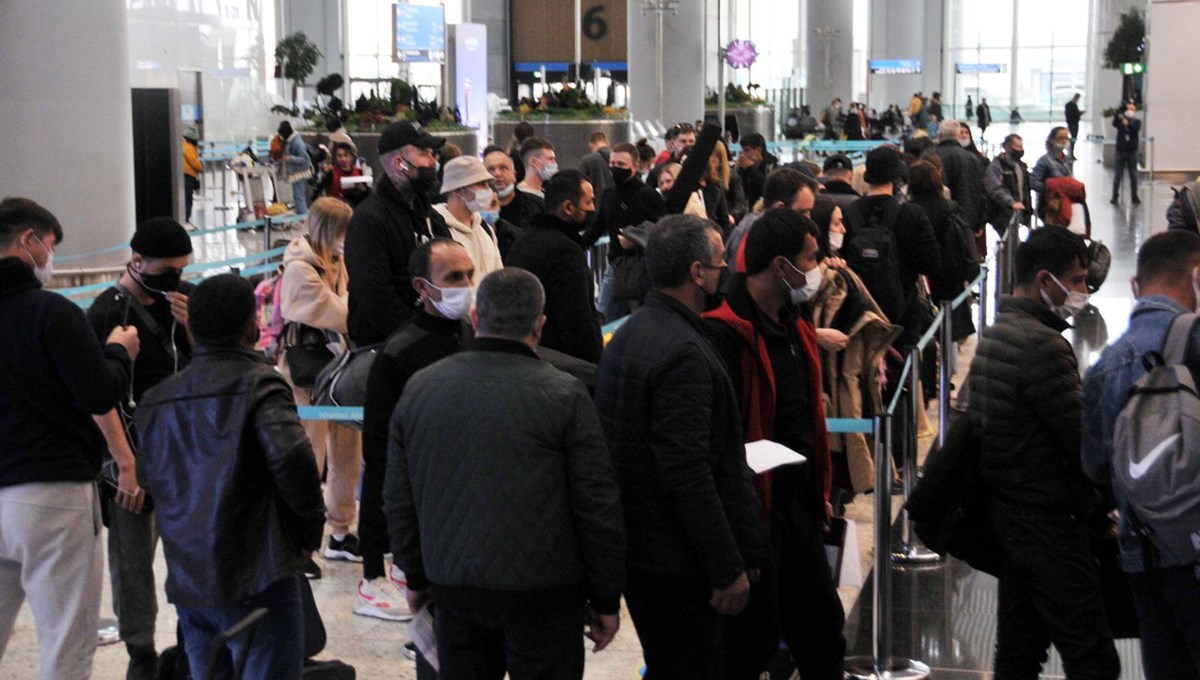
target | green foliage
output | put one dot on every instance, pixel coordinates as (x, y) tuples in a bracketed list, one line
[(1128, 42), (297, 57), (736, 95)]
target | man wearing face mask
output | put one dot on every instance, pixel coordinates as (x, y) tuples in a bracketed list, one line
[(150, 297), (56, 378), (766, 322), (696, 534), (540, 165), (385, 230), (1008, 186), (442, 274), (628, 202), (552, 250), (1129, 130), (1025, 407), (516, 207), (466, 184)]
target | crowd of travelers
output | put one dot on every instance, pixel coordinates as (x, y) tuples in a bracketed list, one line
[(519, 475)]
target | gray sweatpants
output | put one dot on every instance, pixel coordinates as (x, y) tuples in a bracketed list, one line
[(50, 553)]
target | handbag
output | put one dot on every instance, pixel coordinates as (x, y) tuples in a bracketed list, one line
[(343, 381), (630, 280), (1101, 260), (306, 350)]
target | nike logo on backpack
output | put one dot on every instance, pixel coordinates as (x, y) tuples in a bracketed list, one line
[(1139, 469)]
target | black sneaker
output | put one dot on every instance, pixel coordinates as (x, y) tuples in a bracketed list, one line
[(311, 571), (1137, 201), (345, 549)]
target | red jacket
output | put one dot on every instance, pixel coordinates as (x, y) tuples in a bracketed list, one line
[(757, 400)]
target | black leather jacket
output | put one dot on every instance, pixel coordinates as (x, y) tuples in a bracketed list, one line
[(233, 476)]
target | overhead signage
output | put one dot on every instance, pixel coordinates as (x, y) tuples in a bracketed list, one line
[(420, 33), (976, 69), (891, 67)]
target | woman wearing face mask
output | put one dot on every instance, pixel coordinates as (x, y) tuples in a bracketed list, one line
[(853, 334), (345, 165), (466, 185), (1057, 162), (312, 299), (925, 191)]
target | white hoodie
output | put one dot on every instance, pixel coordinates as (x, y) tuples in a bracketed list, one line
[(477, 239)]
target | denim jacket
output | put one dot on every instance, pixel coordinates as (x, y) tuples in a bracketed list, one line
[(1106, 392)]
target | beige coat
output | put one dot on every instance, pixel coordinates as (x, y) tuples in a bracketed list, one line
[(477, 239), (305, 297), (851, 376)]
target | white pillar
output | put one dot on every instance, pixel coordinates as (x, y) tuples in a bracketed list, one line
[(830, 34), (1170, 103), (66, 136), (683, 63)]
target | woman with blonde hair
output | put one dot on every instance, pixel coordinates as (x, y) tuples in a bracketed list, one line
[(312, 301)]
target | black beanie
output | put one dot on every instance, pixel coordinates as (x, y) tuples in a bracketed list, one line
[(220, 309), (161, 237), (780, 231)]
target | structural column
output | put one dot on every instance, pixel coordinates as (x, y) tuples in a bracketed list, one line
[(66, 136), (830, 50), (682, 63)]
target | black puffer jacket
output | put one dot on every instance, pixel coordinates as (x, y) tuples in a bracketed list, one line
[(671, 417), (1026, 403), (498, 478), (963, 173), (383, 234), (234, 479)]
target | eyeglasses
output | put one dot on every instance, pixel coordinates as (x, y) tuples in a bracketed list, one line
[(723, 265)]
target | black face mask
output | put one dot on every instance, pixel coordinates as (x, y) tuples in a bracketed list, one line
[(621, 175), (1016, 155), (714, 300), (425, 179), (157, 284)]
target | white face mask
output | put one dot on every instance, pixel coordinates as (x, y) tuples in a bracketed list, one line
[(490, 216), (456, 303), (812, 283), (1075, 303), (836, 240), (506, 191), (482, 200), (548, 170), (964, 143), (44, 272)]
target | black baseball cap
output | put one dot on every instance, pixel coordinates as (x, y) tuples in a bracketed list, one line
[(753, 140), (839, 161), (405, 132)]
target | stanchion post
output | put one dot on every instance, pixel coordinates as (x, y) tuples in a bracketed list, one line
[(983, 296), (266, 233), (910, 551), (946, 368), (881, 664)]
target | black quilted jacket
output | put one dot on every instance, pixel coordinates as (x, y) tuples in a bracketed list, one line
[(1026, 403), (498, 478), (671, 417)]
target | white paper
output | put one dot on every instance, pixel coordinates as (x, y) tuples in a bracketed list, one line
[(348, 182), (420, 631), (764, 455)]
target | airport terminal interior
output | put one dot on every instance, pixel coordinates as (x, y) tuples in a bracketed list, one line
[(120, 113)]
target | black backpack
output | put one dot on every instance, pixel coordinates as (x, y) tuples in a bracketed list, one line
[(960, 251), (870, 250), (1184, 211)]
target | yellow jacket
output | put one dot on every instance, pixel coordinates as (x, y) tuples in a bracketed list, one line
[(191, 160)]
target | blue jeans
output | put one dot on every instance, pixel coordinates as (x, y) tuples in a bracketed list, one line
[(276, 647), (1168, 606), (300, 196), (611, 308)]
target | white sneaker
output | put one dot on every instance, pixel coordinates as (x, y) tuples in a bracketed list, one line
[(382, 599)]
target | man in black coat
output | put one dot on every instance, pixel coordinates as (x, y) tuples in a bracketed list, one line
[(553, 250), (754, 163), (1008, 186), (670, 414), (386, 228), (1026, 407), (1129, 129), (1073, 115), (235, 485), (513, 523), (961, 171), (56, 377), (983, 115), (837, 174)]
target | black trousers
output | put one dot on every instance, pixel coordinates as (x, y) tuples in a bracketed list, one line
[(482, 634), (680, 633), (190, 185), (796, 601), (373, 538), (1125, 163), (1168, 608), (1050, 593)]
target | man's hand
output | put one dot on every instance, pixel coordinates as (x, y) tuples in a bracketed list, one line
[(732, 599), (1018, 206), (129, 495), (601, 628), (746, 160), (626, 244), (834, 262), (127, 337), (832, 340), (417, 599), (179, 307)]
